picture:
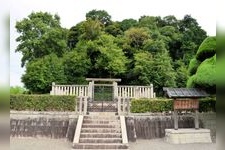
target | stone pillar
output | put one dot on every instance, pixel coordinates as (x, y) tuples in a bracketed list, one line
[(115, 90), (53, 92), (175, 115), (80, 104), (119, 105), (85, 105), (128, 105), (151, 91), (196, 120), (90, 86), (93, 89)]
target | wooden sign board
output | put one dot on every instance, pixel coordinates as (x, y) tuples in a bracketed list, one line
[(186, 104)]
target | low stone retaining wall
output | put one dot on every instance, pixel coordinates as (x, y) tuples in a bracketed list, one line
[(43, 124), (150, 126), (139, 126)]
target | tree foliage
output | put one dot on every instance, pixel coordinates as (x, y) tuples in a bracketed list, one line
[(76, 66), (17, 90), (40, 74), (143, 67), (203, 71), (163, 74), (207, 49), (40, 35), (100, 15), (193, 66), (206, 75), (148, 50)]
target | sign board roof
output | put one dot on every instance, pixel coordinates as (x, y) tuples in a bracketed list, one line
[(184, 92)]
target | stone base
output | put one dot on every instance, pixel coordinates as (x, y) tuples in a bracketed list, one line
[(183, 136)]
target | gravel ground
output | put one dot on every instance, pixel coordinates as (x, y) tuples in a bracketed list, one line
[(159, 144), (61, 144), (39, 144)]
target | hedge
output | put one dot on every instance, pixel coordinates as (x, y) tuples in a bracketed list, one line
[(207, 48), (205, 76), (166, 105), (42, 102), (193, 65)]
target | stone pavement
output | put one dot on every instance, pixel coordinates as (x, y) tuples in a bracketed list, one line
[(160, 144), (62, 144)]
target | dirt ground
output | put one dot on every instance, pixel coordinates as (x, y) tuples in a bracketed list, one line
[(62, 144)]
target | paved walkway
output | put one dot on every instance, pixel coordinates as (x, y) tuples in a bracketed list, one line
[(61, 144)]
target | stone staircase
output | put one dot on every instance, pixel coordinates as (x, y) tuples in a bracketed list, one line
[(101, 132)]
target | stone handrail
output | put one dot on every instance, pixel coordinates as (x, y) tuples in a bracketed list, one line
[(123, 105)]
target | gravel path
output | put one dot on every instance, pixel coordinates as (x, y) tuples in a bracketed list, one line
[(61, 144)]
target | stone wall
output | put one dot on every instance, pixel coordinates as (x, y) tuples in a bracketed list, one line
[(208, 121), (150, 126), (43, 124), (139, 126)]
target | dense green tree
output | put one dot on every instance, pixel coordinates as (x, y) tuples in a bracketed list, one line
[(181, 74), (127, 24), (154, 46), (40, 74), (76, 66), (143, 68), (203, 67), (40, 35), (114, 29), (149, 22), (192, 37), (100, 15), (136, 37), (170, 21), (74, 34), (109, 59), (193, 66), (162, 73), (92, 29), (140, 52), (207, 49)]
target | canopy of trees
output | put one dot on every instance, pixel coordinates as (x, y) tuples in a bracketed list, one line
[(148, 50), (202, 68)]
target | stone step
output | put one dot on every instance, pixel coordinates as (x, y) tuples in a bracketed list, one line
[(100, 135), (95, 149), (102, 117), (95, 121), (100, 146), (101, 126), (101, 130), (100, 140)]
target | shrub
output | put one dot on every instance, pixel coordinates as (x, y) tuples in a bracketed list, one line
[(17, 90), (207, 104), (207, 49), (206, 75), (190, 82), (42, 102), (147, 105), (165, 105), (193, 65)]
